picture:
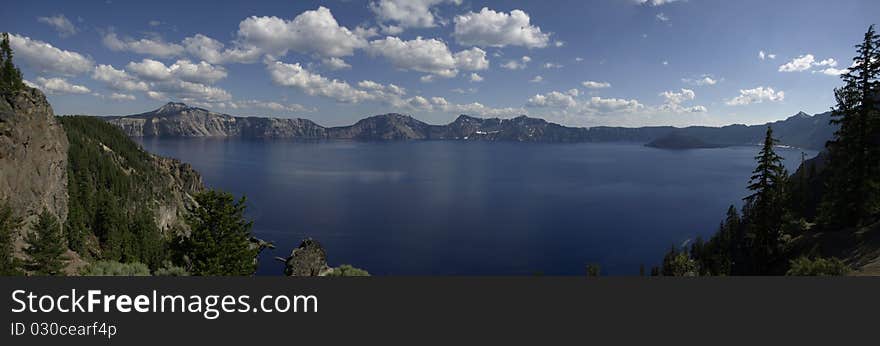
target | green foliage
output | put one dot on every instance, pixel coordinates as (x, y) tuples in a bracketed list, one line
[(10, 75), (852, 194), (219, 241), (348, 270), (678, 263), (804, 266), (113, 186), (169, 269), (9, 264), (113, 268), (593, 270), (46, 246)]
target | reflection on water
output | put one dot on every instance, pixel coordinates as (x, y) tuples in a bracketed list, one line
[(440, 207)]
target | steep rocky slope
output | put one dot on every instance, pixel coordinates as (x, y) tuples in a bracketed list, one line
[(33, 157)]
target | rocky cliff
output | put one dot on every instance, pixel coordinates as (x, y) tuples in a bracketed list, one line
[(180, 120), (33, 157)]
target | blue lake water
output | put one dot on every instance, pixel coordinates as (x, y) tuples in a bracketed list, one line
[(474, 208)]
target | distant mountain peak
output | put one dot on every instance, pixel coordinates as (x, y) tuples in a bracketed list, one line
[(173, 107), (800, 115)]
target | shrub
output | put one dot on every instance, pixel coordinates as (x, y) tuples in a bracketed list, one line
[(348, 270), (113, 268), (819, 266)]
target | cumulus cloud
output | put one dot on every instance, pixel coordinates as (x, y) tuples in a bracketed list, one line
[(44, 57), (537, 79), (595, 85), (756, 95), (662, 17), (655, 2), (311, 32), (517, 64), (808, 61), (473, 59), (122, 97), (763, 56), (118, 79), (61, 24), (186, 70), (476, 77), (673, 102), (428, 55), (407, 13), (267, 105), (552, 99), (489, 28), (335, 63), (295, 76), (700, 81), (154, 46), (58, 86), (214, 52), (551, 65)]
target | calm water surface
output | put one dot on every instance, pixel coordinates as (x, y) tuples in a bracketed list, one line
[(443, 207)]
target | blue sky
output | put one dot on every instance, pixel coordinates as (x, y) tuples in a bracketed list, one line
[(580, 63)]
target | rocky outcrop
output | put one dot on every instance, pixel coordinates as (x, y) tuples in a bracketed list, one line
[(180, 120), (33, 156), (309, 259)]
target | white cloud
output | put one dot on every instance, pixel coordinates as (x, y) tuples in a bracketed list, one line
[(552, 99), (808, 61), (673, 102), (612, 105), (701, 80), (756, 95), (762, 55), (801, 63), (118, 79), (312, 32), (662, 17), (831, 71), (335, 63), (268, 105), (655, 2), (473, 59), (122, 97), (58, 86), (517, 64), (45, 58), (428, 56), (213, 51), (537, 79), (145, 46), (61, 24), (595, 85), (476, 77), (294, 75), (185, 70), (190, 91), (550, 65), (498, 29), (559, 43), (407, 13), (464, 91)]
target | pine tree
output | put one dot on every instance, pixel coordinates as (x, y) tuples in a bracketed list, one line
[(766, 206), (219, 240), (45, 246), (853, 190), (9, 264), (10, 76)]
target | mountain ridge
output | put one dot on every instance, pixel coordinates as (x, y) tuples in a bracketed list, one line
[(176, 119)]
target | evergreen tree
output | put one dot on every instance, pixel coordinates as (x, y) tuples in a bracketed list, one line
[(10, 76), (219, 240), (853, 190), (9, 264), (45, 246), (766, 207)]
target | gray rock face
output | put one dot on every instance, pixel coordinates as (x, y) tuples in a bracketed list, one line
[(33, 156), (309, 259)]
